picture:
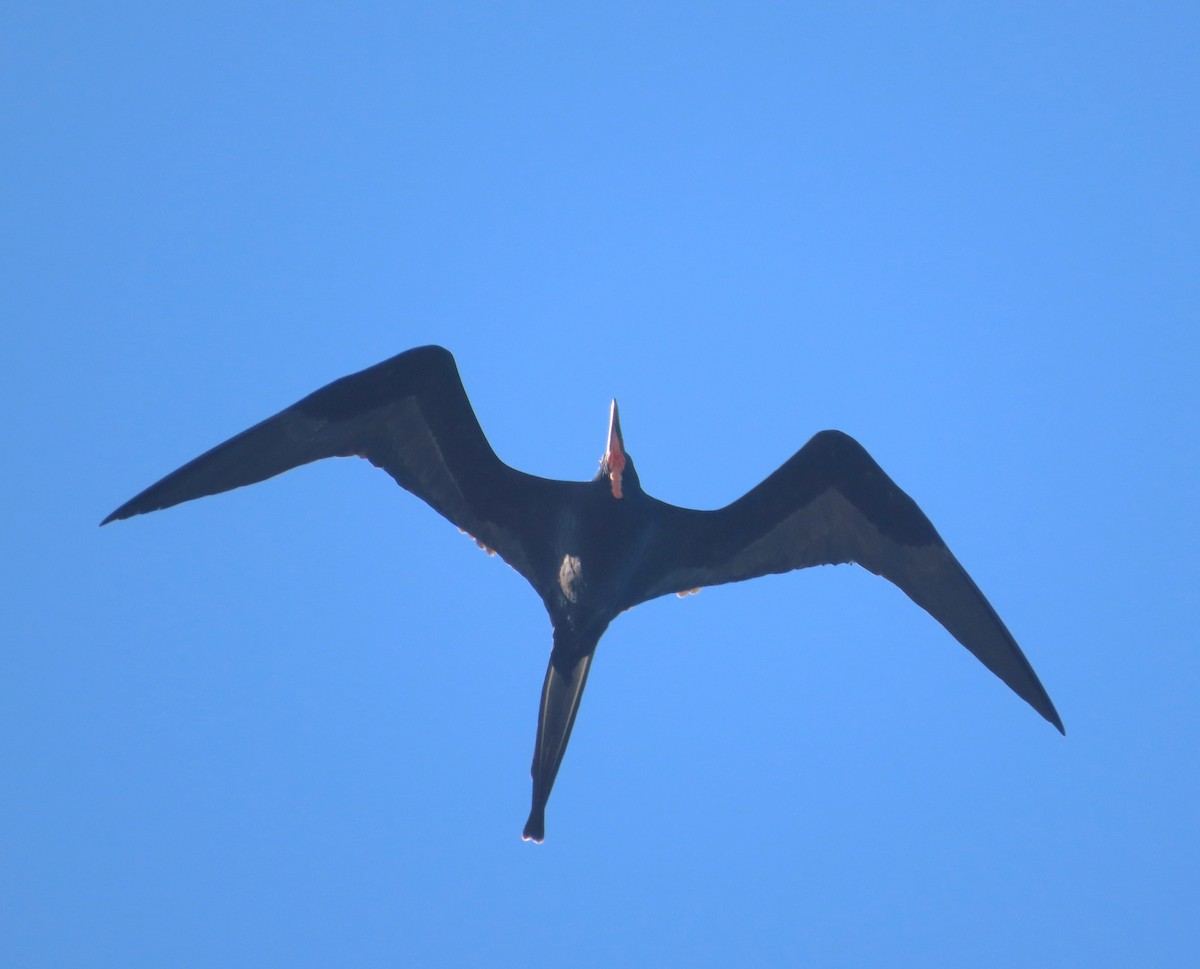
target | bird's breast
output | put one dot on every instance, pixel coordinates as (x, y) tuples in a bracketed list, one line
[(596, 559)]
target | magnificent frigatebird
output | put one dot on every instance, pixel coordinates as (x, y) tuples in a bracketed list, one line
[(594, 549)]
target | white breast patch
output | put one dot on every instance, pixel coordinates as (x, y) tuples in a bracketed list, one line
[(570, 577)]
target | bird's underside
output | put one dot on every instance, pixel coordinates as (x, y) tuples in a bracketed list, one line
[(593, 549)]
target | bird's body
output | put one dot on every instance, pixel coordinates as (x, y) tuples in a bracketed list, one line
[(594, 549)]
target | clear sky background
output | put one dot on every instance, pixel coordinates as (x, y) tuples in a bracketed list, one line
[(291, 726)]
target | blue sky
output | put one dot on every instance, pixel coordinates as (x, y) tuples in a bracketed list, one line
[(291, 726)]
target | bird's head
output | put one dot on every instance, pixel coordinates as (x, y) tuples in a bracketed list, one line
[(616, 467)]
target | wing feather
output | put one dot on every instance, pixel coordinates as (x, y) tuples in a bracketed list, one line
[(831, 504), (408, 415)]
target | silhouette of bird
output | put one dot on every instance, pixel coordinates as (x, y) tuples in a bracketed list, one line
[(594, 549)]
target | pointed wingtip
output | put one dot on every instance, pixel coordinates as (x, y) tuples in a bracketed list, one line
[(1046, 708), (121, 514), (126, 510)]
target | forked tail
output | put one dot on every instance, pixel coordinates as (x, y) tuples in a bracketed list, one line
[(566, 676)]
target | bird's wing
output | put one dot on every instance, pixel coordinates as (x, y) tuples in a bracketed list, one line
[(409, 416), (830, 504)]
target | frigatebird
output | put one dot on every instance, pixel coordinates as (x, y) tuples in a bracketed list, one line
[(593, 549)]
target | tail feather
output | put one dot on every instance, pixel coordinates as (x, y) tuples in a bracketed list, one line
[(566, 676)]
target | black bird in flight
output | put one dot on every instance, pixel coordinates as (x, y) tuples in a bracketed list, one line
[(593, 549)]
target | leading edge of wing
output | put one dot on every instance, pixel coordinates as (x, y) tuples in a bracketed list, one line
[(831, 503)]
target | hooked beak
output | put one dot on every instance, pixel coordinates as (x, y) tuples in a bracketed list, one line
[(614, 453)]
